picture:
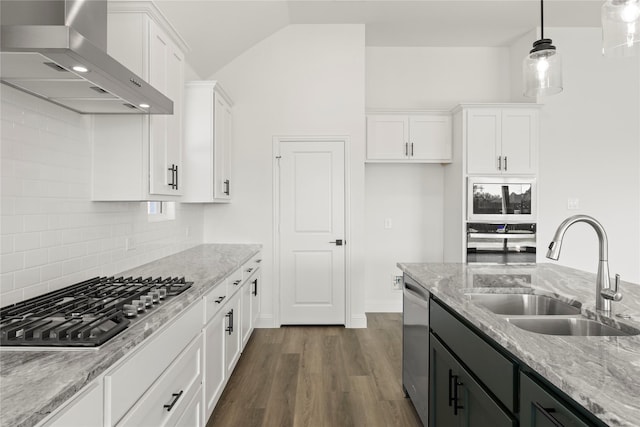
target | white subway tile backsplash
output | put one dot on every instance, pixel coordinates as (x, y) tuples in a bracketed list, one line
[(52, 234), (26, 241), (25, 278), (11, 262), (36, 258)]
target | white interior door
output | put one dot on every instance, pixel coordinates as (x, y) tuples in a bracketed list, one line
[(312, 224)]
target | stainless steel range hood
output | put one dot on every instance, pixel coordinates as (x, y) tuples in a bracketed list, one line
[(46, 46)]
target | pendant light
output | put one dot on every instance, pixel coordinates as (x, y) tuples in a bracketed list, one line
[(542, 68), (620, 28)]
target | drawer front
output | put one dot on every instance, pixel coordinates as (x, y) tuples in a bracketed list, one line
[(170, 395), (496, 371), (539, 408), (128, 381), (214, 300), (251, 266), (234, 281)]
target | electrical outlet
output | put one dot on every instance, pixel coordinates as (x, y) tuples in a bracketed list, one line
[(397, 282), (573, 203), (388, 223)]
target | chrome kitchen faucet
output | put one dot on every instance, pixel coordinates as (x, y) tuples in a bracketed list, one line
[(604, 293)]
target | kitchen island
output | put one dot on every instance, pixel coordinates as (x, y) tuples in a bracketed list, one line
[(600, 373), (33, 383)]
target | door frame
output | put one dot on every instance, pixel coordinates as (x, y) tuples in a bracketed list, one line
[(346, 142)]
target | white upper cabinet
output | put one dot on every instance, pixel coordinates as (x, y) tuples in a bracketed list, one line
[(502, 140), (414, 138), (208, 143), (140, 157)]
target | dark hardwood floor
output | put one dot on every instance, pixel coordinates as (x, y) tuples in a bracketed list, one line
[(319, 376)]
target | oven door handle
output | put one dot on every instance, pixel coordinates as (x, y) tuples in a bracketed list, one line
[(417, 295)]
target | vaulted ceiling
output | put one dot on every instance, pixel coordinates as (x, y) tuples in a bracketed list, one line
[(218, 31)]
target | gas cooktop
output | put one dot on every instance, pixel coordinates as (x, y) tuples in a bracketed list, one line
[(86, 314)]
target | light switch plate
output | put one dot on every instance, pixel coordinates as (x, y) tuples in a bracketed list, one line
[(573, 203), (388, 223)]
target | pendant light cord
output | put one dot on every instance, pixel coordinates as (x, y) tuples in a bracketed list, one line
[(541, 19)]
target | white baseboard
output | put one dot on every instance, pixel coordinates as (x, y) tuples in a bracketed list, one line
[(264, 321), (358, 321), (383, 306)]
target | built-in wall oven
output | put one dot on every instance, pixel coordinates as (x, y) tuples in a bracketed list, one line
[(415, 346)]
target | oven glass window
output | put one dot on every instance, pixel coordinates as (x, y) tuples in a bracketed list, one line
[(501, 199)]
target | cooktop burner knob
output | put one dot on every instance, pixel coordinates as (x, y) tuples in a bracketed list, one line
[(130, 310), (147, 300), (162, 292)]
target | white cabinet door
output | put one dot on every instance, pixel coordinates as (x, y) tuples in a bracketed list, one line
[(214, 365), (519, 141), (502, 141), (387, 137), (85, 410), (256, 293), (232, 333), (484, 141), (222, 150), (246, 298), (430, 137), (208, 143)]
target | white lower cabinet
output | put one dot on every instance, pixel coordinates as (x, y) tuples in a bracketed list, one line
[(232, 331), (214, 366), (128, 384), (163, 404), (192, 416), (85, 410)]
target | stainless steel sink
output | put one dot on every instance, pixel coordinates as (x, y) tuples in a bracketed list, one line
[(570, 326), (524, 304)]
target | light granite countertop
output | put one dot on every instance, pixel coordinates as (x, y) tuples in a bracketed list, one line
[(33, 383), (600, 373)]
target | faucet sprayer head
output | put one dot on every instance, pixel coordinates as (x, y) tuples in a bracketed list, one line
[(554, 249)]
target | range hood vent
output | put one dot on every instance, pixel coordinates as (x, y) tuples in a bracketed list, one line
[(56, 50)]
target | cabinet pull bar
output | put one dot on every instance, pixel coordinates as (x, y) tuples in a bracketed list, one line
[(226, 187), (176, 172), (236, 282), (412, 149), (505, 162), (451, 376), (546, 412), (175, 396), (499, 163), (255, 287), (456, 383), (406, 149), (229, 316), (220, 299)]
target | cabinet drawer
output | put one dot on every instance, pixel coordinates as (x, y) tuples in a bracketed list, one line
[(539, 408), (251, 266), (496, 371), (235, 280), (215, 299), (127, 382), (169, 396)]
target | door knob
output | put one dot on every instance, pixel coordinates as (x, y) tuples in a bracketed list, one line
[(338, 242)]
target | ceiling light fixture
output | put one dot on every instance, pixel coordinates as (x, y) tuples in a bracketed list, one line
[(620, 28), (542, 68)]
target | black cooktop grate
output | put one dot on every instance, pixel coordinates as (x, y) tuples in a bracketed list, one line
[(86, 314)]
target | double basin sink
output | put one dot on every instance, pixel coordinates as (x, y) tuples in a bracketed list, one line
[(547, 315)]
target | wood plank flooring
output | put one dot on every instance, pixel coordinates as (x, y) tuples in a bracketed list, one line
[(319, 376)]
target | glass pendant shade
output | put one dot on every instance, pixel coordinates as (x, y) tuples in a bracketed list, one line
[(542, 70), (621, 28)]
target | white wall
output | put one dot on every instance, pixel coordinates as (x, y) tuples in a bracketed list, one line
[(412, 195), (302, 80), (590, 150), (52, 234)]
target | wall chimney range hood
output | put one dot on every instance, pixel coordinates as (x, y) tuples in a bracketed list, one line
[(56, 50)]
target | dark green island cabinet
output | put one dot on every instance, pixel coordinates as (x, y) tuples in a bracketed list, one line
[(474, 382)]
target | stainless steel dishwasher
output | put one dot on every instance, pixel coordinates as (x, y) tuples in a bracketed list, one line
[(415, 346)]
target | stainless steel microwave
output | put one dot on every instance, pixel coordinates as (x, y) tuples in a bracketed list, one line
[(502, 199)]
